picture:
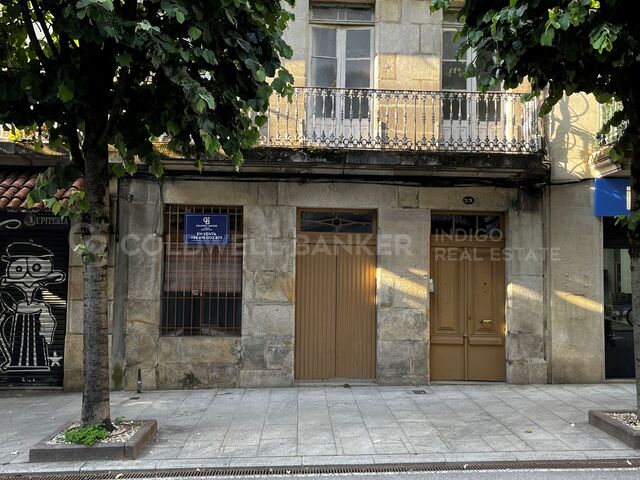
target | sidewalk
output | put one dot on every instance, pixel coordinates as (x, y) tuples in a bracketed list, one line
[(334, 425)]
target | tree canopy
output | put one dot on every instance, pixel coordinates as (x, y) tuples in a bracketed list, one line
[(126, 71), (90, 74), (559, 46), (564, 47)]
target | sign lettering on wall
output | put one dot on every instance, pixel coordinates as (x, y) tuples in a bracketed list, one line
[(34, 259), (206, 229)]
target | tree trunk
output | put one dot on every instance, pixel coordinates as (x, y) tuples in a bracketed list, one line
[(635, 301), (95, 398), (634, 253)]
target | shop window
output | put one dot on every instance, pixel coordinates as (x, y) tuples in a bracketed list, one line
[(202, 284), (618, 329), (336, 222)]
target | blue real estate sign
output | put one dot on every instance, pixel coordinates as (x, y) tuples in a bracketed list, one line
[(612, 197), (203, 229)]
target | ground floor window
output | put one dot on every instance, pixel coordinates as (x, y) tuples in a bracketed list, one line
[(202, 284), (618, 329)]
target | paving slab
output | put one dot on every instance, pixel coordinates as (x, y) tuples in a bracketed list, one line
[(317, 425)]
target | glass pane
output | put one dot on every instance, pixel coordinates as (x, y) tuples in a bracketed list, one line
[(618, 330), (338, 222), (359, 14), (323, 42), (489, 225), (356, 106), (316, 222), (465, 224), (453, 76), (323, 72), (454, 108), (320, 12), (357, 73), (358, 43), (489, 110), (449, 45), (325, 105), (441, 224)]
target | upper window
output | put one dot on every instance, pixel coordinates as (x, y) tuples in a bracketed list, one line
[(342, 13), (341, 57), (453, 79), (202, 288), (452, 67)]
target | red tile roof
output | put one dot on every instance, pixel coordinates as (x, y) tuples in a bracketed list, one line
[(15, 186)]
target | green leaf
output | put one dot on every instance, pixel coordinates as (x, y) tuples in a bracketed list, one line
[(260, 120), (201, 105), (118, 170), (156, 168), (124, 59), (546, 39), (65, 94), (195, 33), (260, 75), (208, 98), (180, 16), (173, 128), (55, 208)]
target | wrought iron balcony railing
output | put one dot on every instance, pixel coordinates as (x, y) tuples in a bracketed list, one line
[(607, 110), (403, 120)]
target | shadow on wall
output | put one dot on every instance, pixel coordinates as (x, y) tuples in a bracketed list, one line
[(571, 135)]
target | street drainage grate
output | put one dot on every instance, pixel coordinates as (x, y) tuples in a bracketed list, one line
[(334, 469)]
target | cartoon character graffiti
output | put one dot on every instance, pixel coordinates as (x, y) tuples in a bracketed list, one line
[(27, 325)]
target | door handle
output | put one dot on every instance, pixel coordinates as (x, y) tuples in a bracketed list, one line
[(487, 322)]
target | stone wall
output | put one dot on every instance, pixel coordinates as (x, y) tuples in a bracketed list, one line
[(263, 356), (575, 289), (268, 321), (403, 292), (408, 45), (576, 286), (525, 337)]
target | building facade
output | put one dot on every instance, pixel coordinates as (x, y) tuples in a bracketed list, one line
[(394, 226)]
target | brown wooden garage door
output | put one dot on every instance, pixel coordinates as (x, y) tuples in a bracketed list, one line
[(335, 295)]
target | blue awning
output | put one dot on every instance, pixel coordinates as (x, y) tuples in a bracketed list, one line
[(612, 197)]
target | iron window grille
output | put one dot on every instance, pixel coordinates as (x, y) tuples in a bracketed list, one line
[(202, 284)]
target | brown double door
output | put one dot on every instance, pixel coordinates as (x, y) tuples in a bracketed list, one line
[(335, 296), (467, 310)]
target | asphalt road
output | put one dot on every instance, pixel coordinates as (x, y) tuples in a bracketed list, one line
[(589, 474)]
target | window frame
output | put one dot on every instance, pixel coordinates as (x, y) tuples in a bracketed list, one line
[(338, 21), (472, 82), (459, 239), (341, 27), (218, 320), (341, 55)]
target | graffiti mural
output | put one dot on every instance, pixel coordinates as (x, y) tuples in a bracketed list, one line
[(33, 289)]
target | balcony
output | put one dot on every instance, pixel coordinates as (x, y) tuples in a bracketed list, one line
[(607, 110), (403, 120)]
